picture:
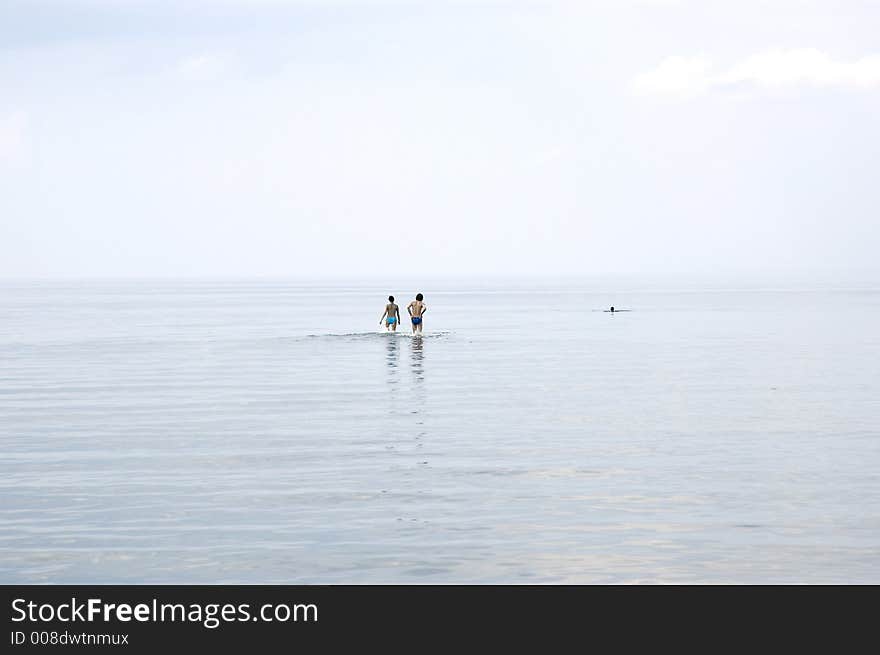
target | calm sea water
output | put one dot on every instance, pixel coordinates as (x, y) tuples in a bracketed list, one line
[(269, 433)]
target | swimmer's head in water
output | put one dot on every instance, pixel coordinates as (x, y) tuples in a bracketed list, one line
[(390, 298), (612, 308), (419, 297)]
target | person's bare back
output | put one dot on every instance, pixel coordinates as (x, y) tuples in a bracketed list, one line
[(391, 316), (416, 311)]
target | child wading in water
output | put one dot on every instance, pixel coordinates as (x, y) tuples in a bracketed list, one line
[(416, 310), (391, 315)]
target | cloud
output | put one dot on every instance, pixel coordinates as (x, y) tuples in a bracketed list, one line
[(676, 76), (686, 77), (804, 66)]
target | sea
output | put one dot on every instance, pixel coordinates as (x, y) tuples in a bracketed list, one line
[(271, 431)]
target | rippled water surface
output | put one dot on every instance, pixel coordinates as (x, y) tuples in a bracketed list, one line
[(268, 433)]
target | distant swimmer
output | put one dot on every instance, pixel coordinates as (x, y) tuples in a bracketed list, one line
[(391, 315), (416, 311), (612, 309), (615, 311)]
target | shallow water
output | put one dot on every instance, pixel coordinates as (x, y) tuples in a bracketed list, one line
[(269, 433)]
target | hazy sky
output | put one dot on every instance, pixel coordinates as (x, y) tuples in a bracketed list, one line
[(311, 137)]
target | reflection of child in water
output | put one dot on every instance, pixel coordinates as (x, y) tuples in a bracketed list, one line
[(416, 310), (391, 315)]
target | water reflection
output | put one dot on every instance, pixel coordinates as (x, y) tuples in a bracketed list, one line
[(418, 359), (417, 365), (391, 354)]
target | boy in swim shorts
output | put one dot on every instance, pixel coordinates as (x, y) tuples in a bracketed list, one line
[(391, 315), (416, 311)]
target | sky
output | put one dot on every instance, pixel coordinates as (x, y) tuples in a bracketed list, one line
[(343, 138)]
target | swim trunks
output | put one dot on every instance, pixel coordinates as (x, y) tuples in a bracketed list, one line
[(416, 320), (391, 320)]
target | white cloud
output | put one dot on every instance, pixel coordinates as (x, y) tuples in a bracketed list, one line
[(804, 66), (676, 76), (684, 77)]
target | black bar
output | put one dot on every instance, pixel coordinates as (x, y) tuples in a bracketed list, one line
[(423, 617)]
